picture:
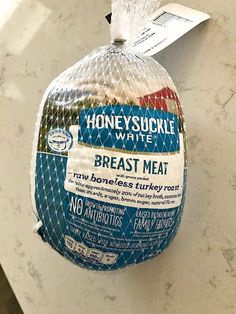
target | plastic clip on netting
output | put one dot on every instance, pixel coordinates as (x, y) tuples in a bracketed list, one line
[(109, 166)]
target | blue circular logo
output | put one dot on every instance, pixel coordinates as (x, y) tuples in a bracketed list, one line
[(59, 140)]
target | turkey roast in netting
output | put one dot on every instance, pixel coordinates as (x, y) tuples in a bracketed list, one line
[(109, 166)]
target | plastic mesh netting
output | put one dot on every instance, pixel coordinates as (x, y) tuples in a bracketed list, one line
[(109, 166), (130, 17)]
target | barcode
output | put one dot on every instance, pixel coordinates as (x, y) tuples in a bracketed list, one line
[(166, 17)]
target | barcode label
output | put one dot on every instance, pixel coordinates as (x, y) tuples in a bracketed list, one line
[(170, 23), (165, 18)]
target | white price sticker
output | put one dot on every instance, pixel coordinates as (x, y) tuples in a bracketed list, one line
[(168, 24)]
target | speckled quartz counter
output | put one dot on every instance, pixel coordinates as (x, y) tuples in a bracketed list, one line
[(197, 274)]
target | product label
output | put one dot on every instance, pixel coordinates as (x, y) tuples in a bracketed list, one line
[(129, 169), (168, 24), (115, 177), (129, 128), (110, 185)]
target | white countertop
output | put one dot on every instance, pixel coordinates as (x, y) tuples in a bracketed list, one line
[(197, 274)]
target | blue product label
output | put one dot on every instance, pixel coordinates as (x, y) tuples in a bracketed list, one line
[(133, 128), (116, 198)]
